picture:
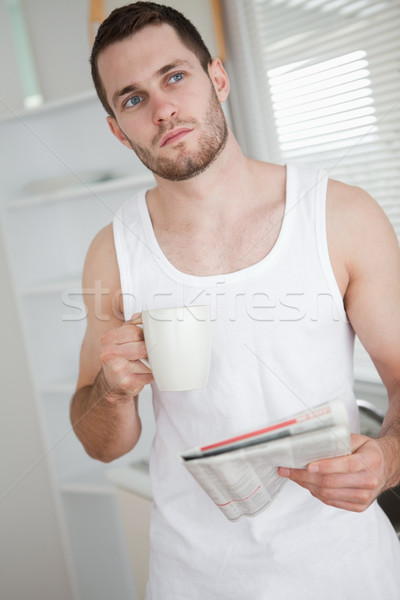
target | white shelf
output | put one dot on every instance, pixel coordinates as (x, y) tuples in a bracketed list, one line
[(46, 107), (62, 387), (52, 287), (90, 482), (133, 478), (82, 190)]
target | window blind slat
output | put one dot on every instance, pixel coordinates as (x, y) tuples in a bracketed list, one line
[(297, 18), (268, 18), (323, 43)]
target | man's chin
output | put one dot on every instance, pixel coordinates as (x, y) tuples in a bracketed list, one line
[(184, 172), (182, 176), (185, 166)]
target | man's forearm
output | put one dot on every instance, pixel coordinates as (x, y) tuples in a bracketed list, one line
[(390, 438), (107, 424)]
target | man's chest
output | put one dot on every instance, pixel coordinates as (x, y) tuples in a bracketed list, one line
[(225, 249)]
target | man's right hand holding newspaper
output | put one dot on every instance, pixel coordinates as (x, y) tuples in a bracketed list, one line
[(350, 482)]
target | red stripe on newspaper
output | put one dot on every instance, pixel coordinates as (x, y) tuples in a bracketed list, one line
[(240, 499), (245, 436)]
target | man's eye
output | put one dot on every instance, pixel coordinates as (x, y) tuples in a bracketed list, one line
[(176, 77), (133, 101)]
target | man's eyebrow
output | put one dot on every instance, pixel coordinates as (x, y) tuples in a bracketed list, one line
[(174, 65), (132, 87)]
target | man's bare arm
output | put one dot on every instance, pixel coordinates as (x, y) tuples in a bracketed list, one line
[(366, 259), (107, 426), (373, 307), (104, 408)]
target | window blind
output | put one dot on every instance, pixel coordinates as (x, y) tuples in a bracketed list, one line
[(318, 82)]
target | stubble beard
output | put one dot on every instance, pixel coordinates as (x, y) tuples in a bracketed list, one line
[(189, 164)]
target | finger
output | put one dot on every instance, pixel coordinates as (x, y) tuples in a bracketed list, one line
[(131, 351), (127, 377), (128, 332), (342, 464), (132, 328), (361, 480), (134, 380), (303, 476), (348, 498), (119, 367), (135, 319), (350, 506), (132, 385), (349, 463), (366, 455), (353, 495), (119, 354)]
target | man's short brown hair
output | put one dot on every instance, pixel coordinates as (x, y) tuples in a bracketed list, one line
[(127, 20)]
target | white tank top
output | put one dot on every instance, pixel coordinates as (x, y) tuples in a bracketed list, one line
[(281, 343)]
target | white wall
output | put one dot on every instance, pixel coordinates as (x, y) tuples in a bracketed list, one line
[(59, 37), (32, 560)]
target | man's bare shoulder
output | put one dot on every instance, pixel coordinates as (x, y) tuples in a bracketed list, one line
[(350, 199), (357, 227), (101, 271), (352, 209), (101, 259), (103, 242)]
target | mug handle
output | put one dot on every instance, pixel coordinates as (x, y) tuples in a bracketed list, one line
[(143, 360)]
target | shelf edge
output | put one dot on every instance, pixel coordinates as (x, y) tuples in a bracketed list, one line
[(87, 488), (57, 104), (50, 288), (75, 193)]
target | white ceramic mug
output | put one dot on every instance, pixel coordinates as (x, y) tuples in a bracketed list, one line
[(178, 342)]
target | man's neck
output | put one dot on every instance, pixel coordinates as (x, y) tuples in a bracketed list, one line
[(206, 196), (223, 220)]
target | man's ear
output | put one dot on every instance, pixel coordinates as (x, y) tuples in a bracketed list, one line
[(117, 131), (219, 79)]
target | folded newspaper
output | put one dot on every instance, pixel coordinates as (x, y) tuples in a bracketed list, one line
[(240, 474)]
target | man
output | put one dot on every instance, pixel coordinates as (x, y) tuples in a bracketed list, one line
[(265, 246)]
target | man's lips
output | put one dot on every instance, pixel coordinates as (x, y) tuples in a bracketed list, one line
[(174, 135)]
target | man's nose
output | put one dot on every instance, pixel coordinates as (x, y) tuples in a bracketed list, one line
[(163, 109)]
